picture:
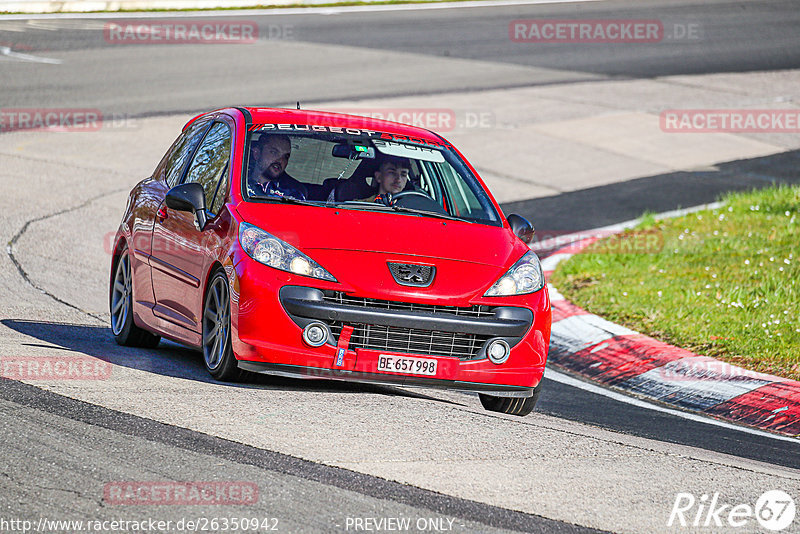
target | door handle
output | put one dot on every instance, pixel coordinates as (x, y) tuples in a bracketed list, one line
[(162, 213)]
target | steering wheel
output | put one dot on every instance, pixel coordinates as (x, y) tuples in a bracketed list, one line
[(409, 193)]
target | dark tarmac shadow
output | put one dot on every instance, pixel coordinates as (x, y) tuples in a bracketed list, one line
[(614, 203), (568, 402)]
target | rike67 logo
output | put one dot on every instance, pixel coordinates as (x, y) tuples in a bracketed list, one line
[(774, 510)]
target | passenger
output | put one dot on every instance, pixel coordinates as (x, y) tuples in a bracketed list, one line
[(266, 172)]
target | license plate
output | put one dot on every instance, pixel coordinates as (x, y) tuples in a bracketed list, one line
[(406, 365)]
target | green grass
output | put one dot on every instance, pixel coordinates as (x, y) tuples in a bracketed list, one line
[(721, 283)]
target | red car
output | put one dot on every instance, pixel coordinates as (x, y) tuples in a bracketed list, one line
[(321, 245)]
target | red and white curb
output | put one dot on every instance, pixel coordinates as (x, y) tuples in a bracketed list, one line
[(594, 348)]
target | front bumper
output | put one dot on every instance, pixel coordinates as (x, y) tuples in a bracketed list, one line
[(315, 373), (272, 308)]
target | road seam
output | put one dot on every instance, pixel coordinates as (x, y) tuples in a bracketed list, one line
[(24, 274)]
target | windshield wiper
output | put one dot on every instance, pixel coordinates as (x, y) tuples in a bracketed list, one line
[(289, 200), (436, 214), (360, 204)]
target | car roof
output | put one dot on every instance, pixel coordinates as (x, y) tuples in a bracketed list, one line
[(326, 118)]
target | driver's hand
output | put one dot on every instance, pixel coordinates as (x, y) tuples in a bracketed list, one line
[(386, 199)]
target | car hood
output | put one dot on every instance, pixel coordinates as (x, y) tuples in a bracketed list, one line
[(310, 228)]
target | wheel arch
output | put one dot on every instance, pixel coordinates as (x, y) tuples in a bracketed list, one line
[(121, 243), (215, 266)]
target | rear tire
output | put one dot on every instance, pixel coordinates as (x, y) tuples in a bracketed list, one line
[(218, 355), (520, 406), (120, 300)]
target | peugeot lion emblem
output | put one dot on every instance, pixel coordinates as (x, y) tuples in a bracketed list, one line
[(409, 274)]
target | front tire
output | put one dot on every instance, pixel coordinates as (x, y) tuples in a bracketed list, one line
[(520, 406), (120, 299), (217, 350)]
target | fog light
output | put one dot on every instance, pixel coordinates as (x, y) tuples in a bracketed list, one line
[(315, 334), (498, 351)]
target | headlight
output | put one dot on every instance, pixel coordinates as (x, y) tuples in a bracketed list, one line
[(525, 276), (267, 249)]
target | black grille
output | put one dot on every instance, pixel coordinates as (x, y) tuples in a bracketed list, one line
[(472, 311), (413, 341)]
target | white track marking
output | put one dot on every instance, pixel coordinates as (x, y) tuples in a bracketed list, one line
[(290, 11), (48, 24), (7, 52), (554, 294), (579, 332), (64, 24), (674, 379), (551, 261), (562, 378)]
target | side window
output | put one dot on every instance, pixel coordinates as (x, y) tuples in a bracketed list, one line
[(210, 163), (181, 151)]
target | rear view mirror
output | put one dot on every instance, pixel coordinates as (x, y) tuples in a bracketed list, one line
[(344, 150), (521, 227)]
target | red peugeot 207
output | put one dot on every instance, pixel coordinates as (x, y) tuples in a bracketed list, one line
[(322, 245)]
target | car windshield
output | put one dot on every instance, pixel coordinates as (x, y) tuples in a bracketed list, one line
[(362, 169)]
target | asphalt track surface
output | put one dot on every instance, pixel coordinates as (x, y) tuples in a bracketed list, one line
[(291, 482), (463, 49), (737, 37)]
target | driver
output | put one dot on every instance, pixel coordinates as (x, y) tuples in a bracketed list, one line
[(266, 172), (392, 177)]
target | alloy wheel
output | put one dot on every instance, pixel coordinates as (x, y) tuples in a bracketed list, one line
[(121, 295), (216, 322)]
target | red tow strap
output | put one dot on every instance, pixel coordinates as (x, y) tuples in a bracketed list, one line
[(343, 345)]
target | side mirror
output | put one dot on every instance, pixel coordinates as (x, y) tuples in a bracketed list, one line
[(189, 197), (521, 227)]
